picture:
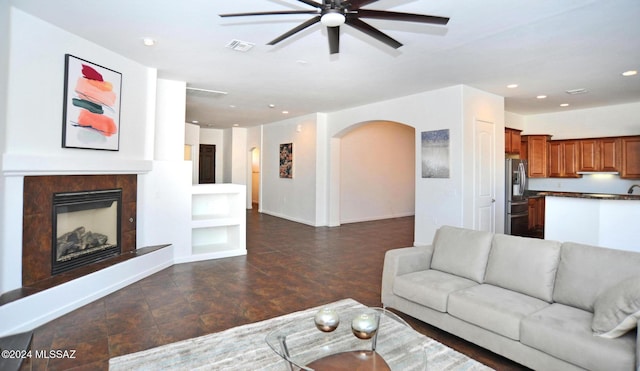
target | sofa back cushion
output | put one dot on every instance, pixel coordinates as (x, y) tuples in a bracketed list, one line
[(525, 265), (460, 251), (586, 271)]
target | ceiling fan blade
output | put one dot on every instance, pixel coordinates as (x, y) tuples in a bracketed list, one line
[(270, 13), (334, 39), (407, 17), (295, 30), (373, 32), (357, 4), (312, 3)]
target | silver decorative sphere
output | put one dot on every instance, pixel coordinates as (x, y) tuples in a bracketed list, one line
[(364, 326), (327, 320)]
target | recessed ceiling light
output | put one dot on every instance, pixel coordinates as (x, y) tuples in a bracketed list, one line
[(512, 86), (236, 125), (541, 96), (272, 105), (564, 105), (147, 41), (194, 121), (285, 112), (232, 106), (630, 73)]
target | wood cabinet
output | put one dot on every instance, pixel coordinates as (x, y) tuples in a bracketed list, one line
[(599, 154), (536, 155), (512, 141), (536, 216), (630, 153), (563, 159)]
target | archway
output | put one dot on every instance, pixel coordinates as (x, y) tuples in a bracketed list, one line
[(373, 172)]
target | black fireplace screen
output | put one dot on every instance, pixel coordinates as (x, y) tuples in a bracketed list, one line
[(86, 228)]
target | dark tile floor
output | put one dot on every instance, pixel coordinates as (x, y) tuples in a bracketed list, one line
[(289, 267)]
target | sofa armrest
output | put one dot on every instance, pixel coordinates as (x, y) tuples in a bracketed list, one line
[(402, 261)]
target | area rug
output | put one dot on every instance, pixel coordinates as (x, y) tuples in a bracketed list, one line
[(244, 348)]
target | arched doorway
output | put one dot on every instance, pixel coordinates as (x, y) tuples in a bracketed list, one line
[(376, 171)]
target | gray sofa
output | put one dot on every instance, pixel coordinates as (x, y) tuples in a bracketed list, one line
[(544, 304)]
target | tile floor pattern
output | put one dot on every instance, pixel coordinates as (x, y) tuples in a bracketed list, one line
[(289, 267)]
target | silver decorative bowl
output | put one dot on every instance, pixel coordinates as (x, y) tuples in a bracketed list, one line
[(327, 320), (365, 325)]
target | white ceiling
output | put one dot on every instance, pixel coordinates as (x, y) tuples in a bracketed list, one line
[(544, 46)]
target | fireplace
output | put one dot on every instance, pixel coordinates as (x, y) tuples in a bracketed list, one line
[(86, 228), (40, 235)]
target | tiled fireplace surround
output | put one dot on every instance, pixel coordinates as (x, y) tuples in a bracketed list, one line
[(38, 203), (48, 298)]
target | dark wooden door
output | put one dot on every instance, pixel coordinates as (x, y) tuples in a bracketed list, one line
[(207, 171)]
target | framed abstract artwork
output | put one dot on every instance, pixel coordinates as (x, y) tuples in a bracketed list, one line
[(286, 160), (435, 154), (91, 111)]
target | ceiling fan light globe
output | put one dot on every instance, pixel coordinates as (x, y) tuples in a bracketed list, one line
[(332, 19)]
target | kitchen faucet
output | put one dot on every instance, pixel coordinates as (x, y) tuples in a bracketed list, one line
[(630, 191)]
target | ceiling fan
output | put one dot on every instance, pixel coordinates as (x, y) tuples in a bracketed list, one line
[(333, 13)]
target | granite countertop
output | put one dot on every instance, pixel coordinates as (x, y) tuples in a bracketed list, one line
[(596, 196)]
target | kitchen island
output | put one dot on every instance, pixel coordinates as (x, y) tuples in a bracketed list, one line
[(607, 220)]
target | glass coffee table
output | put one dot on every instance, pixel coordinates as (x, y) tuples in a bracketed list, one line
[(391, 344)]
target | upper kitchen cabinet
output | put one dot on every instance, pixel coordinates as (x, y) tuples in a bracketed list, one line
[(630, 148), (512, 141), (599, 154), (536, 154), (563, 159)]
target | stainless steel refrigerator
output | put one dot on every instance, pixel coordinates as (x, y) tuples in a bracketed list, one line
[(517, 208)]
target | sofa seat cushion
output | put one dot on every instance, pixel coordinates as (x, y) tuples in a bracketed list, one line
[(460, 251), (493, 308), (430, 288), (565, 332), (525, 265)]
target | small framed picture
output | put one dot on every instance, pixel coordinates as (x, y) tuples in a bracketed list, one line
[(286, 160), (91, 111)]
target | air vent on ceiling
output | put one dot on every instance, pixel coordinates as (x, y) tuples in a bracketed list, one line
[(576, 91), (238, 45), (208, 93)]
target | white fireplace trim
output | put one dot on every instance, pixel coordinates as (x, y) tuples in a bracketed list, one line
[(24, 165)]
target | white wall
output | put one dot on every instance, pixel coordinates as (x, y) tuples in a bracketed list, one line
[(34, 122), (34, 109), (164, 194), (377, 178), (32, 132), (514, 120), (293, 199), (489, 108), (4, 78), (438, 201), (192, 138), (239, 156), (170, 113), (618, 120)]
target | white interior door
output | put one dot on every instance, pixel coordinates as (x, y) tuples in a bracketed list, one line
[(484, 169)]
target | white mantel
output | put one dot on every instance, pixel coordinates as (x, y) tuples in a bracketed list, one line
[(604, 222)]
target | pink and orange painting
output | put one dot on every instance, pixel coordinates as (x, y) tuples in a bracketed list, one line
[(91, 106)]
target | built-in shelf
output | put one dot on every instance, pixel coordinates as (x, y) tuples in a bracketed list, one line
[(218, 221)]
